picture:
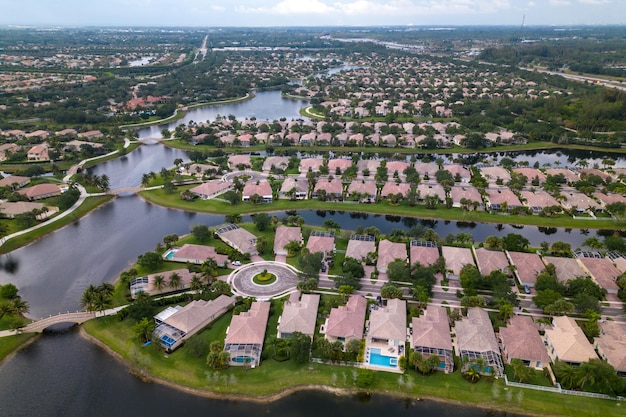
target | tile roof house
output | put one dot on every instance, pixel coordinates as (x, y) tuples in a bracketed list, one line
[(211, 189), (475, 338), (333, 188), (299, 315), (38, 153), (14, 181), (360, 246), (527, 267), (566, 268), (175, 325), (393, 188), (346, 322), (538, 200), (235, 161), (11, 209), (435, 189), (7, 149), (424, 255), (609, 198), (195, 254), (310, 164), (611, 345), (367, 190), (245, 335), (520, 339), (388, 252), (323, 242), (238, 238), (499, 198), (40, 191), (569, 175), (579, 201), (341, 164), (462, 171), (603, 272), (430, 335), (387, 332), (295, 188), (397, 166), (531, 174), (147, 285), (468, 192), (277, 162), (566, 342), (261, 188), (493, 174), (284, 235), (456, 259), (491, 260)]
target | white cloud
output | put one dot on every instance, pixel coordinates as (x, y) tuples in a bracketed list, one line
[(287, 7), (594, 2), (560, 2)]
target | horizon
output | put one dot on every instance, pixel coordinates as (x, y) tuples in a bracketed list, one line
[(312, 13)]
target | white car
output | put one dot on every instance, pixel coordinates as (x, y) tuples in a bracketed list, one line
[(236, 263)]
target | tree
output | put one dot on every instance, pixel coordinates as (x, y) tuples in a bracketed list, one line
[(262, 221), (158, 282), (390, 291), (150, 261), (494, 242), (546, 297), (262, 245), (174, 281), (8, 291), (233, 218), (398, 270), (143, 329), (331, 224), (217, 358), (293, 247), (220, 287), (561, 248), (515, 242), (300, 348), (520, 370), (471, 280), (559, 307), (170, 239), (353, 267), (196, 283), (310, 263), (307, 285), (201, 233)]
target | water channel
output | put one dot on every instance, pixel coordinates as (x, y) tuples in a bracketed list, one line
[(73, 378)]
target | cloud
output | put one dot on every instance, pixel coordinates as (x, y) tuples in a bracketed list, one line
[(594, 2), (560, 2), (287, 7)]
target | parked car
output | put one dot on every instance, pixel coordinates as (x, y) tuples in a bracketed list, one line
[(236, 263), (526, 289)]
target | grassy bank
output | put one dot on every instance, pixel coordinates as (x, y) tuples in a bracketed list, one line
[(173, 200), (272, 377), (10, 344), (122, 152), (90, 204)]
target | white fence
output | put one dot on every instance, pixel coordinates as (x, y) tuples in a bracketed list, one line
[(560, 390)]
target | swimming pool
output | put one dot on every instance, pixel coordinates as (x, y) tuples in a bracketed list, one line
[(375, 358), (243, 359), (169, 254)]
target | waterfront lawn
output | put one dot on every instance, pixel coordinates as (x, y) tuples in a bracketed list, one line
[(173, 200), (10, 344), (88, 205)]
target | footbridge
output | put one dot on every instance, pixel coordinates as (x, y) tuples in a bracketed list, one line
[(131, 190), (39, 326)]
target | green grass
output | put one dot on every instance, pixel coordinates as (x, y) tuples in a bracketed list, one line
[(183, 368), (88, 205), (10, 344), (173, 200), (264, 279)]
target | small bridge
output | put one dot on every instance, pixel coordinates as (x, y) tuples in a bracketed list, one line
[(39, 326), (149, 140), (131, 190)]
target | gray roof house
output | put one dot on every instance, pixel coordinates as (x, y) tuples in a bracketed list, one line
[(299, 315), (476, 339)]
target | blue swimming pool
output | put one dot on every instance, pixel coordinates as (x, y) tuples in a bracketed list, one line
[(243, 359), (375, 358), (170, 254)]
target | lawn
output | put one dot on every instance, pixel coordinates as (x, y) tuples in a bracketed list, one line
[(12, 343), (185, 369)]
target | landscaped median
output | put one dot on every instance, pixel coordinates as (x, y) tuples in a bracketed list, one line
[(173, 200), (274, 379)]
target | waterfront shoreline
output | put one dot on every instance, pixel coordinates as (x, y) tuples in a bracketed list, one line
[(146, 376)]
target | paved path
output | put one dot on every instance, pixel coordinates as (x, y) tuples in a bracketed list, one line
[(242, 283)]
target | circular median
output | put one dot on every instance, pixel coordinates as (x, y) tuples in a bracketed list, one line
[(242, 280)]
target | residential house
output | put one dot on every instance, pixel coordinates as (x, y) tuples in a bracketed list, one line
[(459, 172), (323, 242), (239, 161), (566, 342), (310, 164), (261, 188), (538, 200), (579, 202), (40, 191), (147, 285), (392, 188), (423, 252), (359, 246), (475, 339), (295, 188), (501, 199), (456, 259), (245, 335), (388, 252), (329, 189), (338, 166), (527, 267), (386, 335), (430, 335), (14, 181), (531, 174), (611, 345), (346, 323), (211, 189), (11, 209), (467, 192), (520, 339), (38, 153), (299, 315), (275, 162), (366, 190), (195, 254), (495, 174), (566, 268), (237, 238), (603, 272), (8, 149), (176, 324), (488, 261), (284, 235), (424, 189), (570, 176)]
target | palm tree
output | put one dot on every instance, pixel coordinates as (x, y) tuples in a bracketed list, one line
[(174, 280), (106, 288), (101, 301), (18, 307), (196, 283), (88, 298), (159, 282)]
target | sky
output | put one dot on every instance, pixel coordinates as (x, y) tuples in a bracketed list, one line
[(212, 13)]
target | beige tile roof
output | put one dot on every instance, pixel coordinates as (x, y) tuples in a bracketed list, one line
[(521, 340), (249, 327), (13, 179), (279, 162), (491, 174), (475, 333), (393, 188), (531, 173), (388, 252), (527, 266), (324, 244), (612, 344), (491, 260), (284, 235), (389, 322), (368, 187), (566, 268), (333, 186), (348, 321), (300, 316), (313, 163), (457, 258), (240, 239), (432, 329), (358, 249), (539, 198), (569, 341), (425, 189), (263, 188), (211, 188), (501, 196), (425, 256), (603, 272), (199, 313), (468, 192), (37, 191), (201, 253), (340, 163)]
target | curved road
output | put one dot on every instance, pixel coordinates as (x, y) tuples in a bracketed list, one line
[(242, 283)]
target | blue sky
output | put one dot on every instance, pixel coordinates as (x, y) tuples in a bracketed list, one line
[(205, 13)]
